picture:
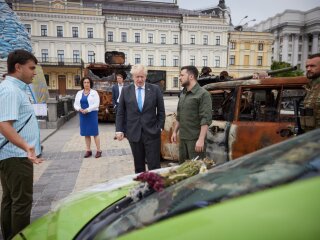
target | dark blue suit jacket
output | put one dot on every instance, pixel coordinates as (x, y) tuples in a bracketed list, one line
[(115, 95), (151, 119)]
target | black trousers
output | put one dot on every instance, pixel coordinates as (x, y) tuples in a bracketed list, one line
[(146, 151), (17, 185)]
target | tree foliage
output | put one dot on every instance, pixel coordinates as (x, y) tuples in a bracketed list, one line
[(279, 65)]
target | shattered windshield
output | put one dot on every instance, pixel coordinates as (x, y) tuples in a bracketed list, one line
[(271, 166)]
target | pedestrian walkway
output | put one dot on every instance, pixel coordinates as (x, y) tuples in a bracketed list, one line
[(65, 171)]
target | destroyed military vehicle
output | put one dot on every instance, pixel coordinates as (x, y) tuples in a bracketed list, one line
[(104, 77), (247, 115)]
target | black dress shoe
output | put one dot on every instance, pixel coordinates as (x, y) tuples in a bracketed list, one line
[(88, 154)]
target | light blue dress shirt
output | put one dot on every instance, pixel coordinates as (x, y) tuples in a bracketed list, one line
[(16, 106)]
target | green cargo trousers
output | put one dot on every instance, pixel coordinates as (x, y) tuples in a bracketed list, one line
[(187, 150), (17, 185)]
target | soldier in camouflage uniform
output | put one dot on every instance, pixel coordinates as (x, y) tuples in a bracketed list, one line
[(310, 114)]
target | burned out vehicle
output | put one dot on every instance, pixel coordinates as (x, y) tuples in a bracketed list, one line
[(104, 77), (247, 115)]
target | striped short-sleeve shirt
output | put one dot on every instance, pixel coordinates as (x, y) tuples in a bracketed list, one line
[(16, 107)]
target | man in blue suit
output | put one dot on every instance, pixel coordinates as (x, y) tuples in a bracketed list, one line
[(117, 88), (141, 111)]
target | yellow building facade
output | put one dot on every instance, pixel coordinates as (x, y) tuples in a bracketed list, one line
[(249, 52)]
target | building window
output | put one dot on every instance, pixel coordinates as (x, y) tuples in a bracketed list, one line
[(137, 37), (299, 57), (163, 39), (28, 28), (175, 39), (44, 55), (205, 39), (232, 45), (77, 80), (110, 36), (163, 60), (246, 60), (150, 60), (90, 32), (232, 60), (175, 61), (259, 63), (192, 60), (137, 59), (218, 40), (260, 46), (44, 30), (91, 57), (217, 61), (59, 31), (75, 32), (205, 61), (193, 39), (289, 57), (150, 38), (76, 56), (60, 54), (175, 82), (123, 37), (300, 48), (47, 78)]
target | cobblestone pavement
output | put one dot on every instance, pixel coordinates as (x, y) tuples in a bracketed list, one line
[(65, 171)]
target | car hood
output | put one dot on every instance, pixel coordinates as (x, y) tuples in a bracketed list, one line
[(71, 214)]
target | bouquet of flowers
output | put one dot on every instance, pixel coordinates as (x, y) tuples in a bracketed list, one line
[(157, 182)]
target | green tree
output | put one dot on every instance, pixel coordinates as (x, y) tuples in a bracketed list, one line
[(279, 65)]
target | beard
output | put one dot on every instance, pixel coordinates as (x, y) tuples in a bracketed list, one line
[(311, 75), (186, 83)]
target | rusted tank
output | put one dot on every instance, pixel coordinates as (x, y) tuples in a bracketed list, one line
[(104, 77), (248, 115)]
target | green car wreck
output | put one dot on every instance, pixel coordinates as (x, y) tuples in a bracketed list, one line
[(269, 194)]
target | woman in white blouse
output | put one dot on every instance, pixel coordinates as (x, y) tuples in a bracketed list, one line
[(87, 103)]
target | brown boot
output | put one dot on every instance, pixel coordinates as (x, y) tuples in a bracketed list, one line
[(98, 154), (88, 154)]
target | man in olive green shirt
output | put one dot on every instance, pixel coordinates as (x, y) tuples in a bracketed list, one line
[(194, 116), (310, 114)]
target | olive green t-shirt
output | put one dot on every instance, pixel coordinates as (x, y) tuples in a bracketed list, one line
[(194, 110)]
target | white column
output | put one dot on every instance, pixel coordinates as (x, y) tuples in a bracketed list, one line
[(285, 48), (305, 50), (295, 49), (315, 43), (276, 48)]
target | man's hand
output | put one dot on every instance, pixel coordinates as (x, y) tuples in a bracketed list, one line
[(199, 145), (174, 137), (119, 136), (31, 154)]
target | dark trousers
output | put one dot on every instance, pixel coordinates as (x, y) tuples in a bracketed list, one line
[(187, 150), (17, 185), (146, 151)]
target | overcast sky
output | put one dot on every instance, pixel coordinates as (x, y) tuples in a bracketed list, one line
[(255, 9)]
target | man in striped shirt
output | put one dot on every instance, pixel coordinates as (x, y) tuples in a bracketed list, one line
[(19, 143)]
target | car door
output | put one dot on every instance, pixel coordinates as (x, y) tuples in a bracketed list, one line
[(223, 104), (264, 115)]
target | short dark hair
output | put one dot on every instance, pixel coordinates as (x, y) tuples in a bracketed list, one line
[(314, 55), (122, 74), (19, 56), (192, 70), (84, 78)]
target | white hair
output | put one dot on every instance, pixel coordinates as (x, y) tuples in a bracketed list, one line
[(138, 68)]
